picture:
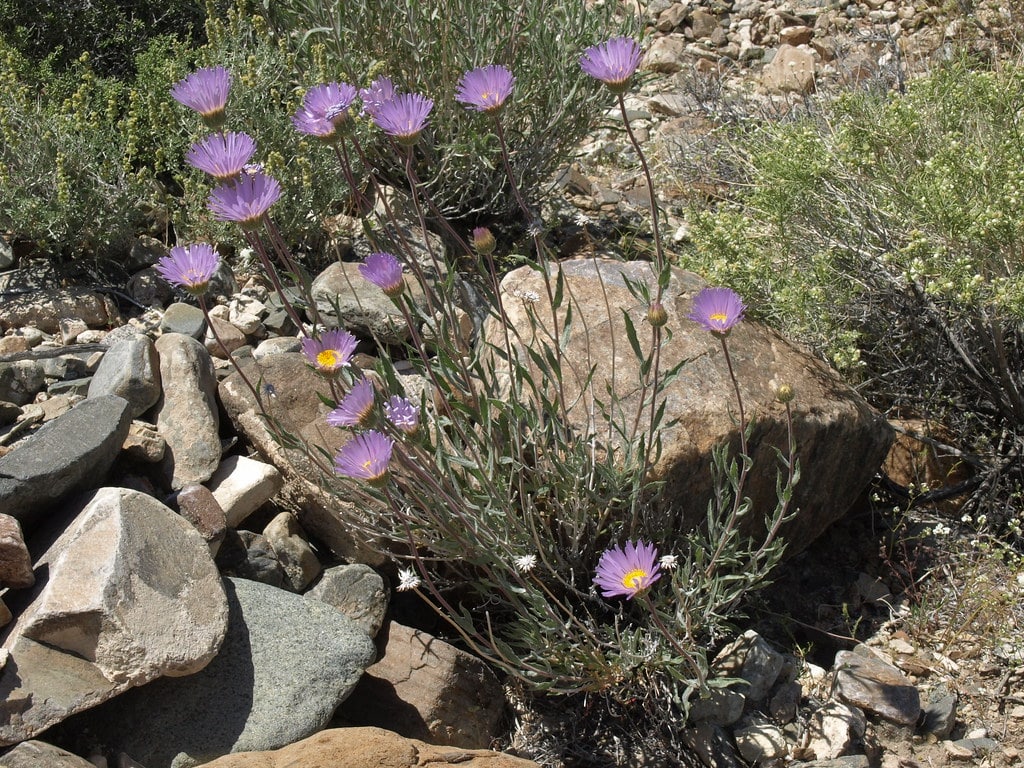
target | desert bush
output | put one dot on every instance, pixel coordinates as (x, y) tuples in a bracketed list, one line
[(112, 32), (885, 231), (427, 46)]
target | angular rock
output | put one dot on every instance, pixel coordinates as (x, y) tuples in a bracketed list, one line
[(131, 594), (790, 71), (185, 319), (939, 715), (15, 561), (130, 369), (424, 688), (227, 339), (863, 680), (831, 422), (835, 730), (666, 55), (369, 748), (39, 754), (289, 543), (285, 665), (242, 485), (20, 381), (719, 706), (760, 741), (199, 506), (750, 658), (144, 443), (357, 591), (362, 308), (186, 414), (69, 454)]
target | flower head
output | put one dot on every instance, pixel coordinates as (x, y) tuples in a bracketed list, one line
[(381, 90), (245, 200), (332, 351), (365, 457), (485, 89), (385, 271), (627, 571), (657, 315), (403, 117), (402, 414), (355, 408), (190, 267), (717, 309), (669, 562), (407, 579), (525, 563), (222, 155), (325, 108), (206, 92), (613, 62), (483, 241)]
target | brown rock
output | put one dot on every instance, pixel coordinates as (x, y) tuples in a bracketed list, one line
[(44, 309), (10, 344), (425, 688), (368, 748), (15, 561), (198, 505), (864, 680), (831, 422), (916, 460), (791, 71), (39, 754), (227, 340), (798, 35)]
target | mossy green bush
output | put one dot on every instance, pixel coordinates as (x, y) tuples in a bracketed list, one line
[(886, 231)]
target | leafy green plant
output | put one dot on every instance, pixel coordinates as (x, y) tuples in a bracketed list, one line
[(885, 231), (427, 47)]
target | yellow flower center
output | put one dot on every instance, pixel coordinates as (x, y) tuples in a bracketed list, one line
[(328, 358), (718, 317), (634, 579)]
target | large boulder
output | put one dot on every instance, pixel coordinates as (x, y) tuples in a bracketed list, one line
[(284, 667), (831, 421), (127, 594)]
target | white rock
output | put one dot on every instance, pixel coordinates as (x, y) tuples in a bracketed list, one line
[(242, 485)]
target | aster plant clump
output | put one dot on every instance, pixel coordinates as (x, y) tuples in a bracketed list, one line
[(535, 540)]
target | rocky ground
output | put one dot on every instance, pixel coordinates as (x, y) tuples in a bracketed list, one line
[(942, 606)]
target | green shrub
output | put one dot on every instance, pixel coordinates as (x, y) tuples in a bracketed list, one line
[(427, 46), (112, 32), (885, 230)]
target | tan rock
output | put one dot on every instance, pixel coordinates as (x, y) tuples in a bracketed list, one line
[(368, 748), (132, 594), (791, 71), (15, 561), (831, 422), (242, 485), (39, 754), (44, 309), (422, 687)]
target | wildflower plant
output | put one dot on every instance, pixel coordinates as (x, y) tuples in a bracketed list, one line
[(536, 540)]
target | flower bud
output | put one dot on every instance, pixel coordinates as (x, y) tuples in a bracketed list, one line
[(483, 241), (656, 314), (784, 393)]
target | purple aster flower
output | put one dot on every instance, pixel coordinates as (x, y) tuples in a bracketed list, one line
[(717, 309), (190, 267), (222, 155), (627, 571), (332, 351), (384, 271), (381, 90), (206, 92), (245, 200), (485, 89), (313, 124), (355, 408), (613, 62), (325, 108), (365, 457), (403, 117), (404, 415)]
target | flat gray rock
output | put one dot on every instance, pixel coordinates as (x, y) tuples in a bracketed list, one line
[(69, 454), (129, 369), (285, 666)]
